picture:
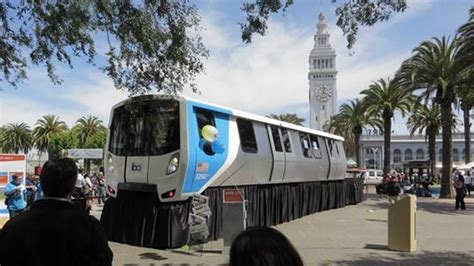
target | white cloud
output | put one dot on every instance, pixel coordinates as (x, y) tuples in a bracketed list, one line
[(270, 74)]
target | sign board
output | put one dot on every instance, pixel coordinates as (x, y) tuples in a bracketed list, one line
[(11, 164), (233, 195)]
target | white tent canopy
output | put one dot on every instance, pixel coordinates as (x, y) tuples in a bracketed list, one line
[(466, 166), (85, 153)]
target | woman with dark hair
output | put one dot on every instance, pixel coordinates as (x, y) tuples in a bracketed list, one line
[(260, 246)]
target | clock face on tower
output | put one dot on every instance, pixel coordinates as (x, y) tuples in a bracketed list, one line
[(323, 93)]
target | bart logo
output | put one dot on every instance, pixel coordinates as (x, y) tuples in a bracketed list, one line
[(136, 167)]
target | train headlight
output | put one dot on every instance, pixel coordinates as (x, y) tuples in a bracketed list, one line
[(173, 164), (111, 164)]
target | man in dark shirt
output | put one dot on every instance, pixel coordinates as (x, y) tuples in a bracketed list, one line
[(52, 231)]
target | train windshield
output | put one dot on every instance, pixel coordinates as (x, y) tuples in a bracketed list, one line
[(145, 128)]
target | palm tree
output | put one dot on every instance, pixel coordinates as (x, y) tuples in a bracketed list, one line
[(87, 126), (290, 118), (383, 99), (434, 70), (17, 137), (44, 129), (428, 119), (350, 121), (465, 55), (466, 97)]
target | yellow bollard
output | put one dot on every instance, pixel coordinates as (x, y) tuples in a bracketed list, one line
[(402, 224)]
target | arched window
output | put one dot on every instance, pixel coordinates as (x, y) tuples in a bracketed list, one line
[(397, 156), (455, 155), (408, 155), (420, 154)]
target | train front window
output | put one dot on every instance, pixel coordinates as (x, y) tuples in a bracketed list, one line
[(145, 128)]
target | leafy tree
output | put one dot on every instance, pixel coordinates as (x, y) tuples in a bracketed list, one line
[(350, 122), (44, 129), (434, 70), (61, 141), (2, 136), (290, 118), (96, 140), (17, 137), (383, 99), (351, 15), (86, 127), (151, 44)]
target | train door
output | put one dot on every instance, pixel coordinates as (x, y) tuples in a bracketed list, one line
[(331, 157), (279, 163)]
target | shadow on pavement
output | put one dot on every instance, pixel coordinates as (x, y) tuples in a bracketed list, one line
[(376, 247), (416, 258), (151, 256), (376, 220)]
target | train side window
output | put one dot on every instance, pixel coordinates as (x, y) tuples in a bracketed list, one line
[(248, 143), (205, 117), (337, 148), (286, 139), (315, 145), (330, 144), (305, 145), (276, 139)]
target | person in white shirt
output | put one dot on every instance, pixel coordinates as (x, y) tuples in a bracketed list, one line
[(468, 180), (80, 182)]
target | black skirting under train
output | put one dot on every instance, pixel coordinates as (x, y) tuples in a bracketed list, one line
[(140, 219)]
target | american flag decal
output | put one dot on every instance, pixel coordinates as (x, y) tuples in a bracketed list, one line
[(202, 167)]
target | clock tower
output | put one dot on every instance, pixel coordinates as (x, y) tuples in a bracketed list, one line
[(322, 78)]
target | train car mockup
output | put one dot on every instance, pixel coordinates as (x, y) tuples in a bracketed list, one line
[(170, 148)]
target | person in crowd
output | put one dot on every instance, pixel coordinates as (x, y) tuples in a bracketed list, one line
[(101, 187), (393, 189), (460, 188), (261, 245), (80, 182), (39, 190), (87, 190), (15, 198), (52, 231), (30, 190), (468, 181)]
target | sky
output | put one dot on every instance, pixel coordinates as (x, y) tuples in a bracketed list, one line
[(267, 76)]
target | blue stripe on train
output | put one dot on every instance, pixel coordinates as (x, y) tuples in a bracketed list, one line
[(201, 166)]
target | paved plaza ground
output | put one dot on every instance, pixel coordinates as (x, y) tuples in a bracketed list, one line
[(354, 235)]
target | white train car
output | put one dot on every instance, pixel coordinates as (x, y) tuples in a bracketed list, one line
[(170, 148)]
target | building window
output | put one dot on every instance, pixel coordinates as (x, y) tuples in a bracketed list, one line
[(323, 106), (462, 155), (420, 154), (440, 154), (314, 63), (330, 63), (455, 155), (408, 155), (397, 156), (248, 143), (319, 64)]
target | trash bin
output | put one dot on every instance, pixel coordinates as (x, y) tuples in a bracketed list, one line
[(402, 224)]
